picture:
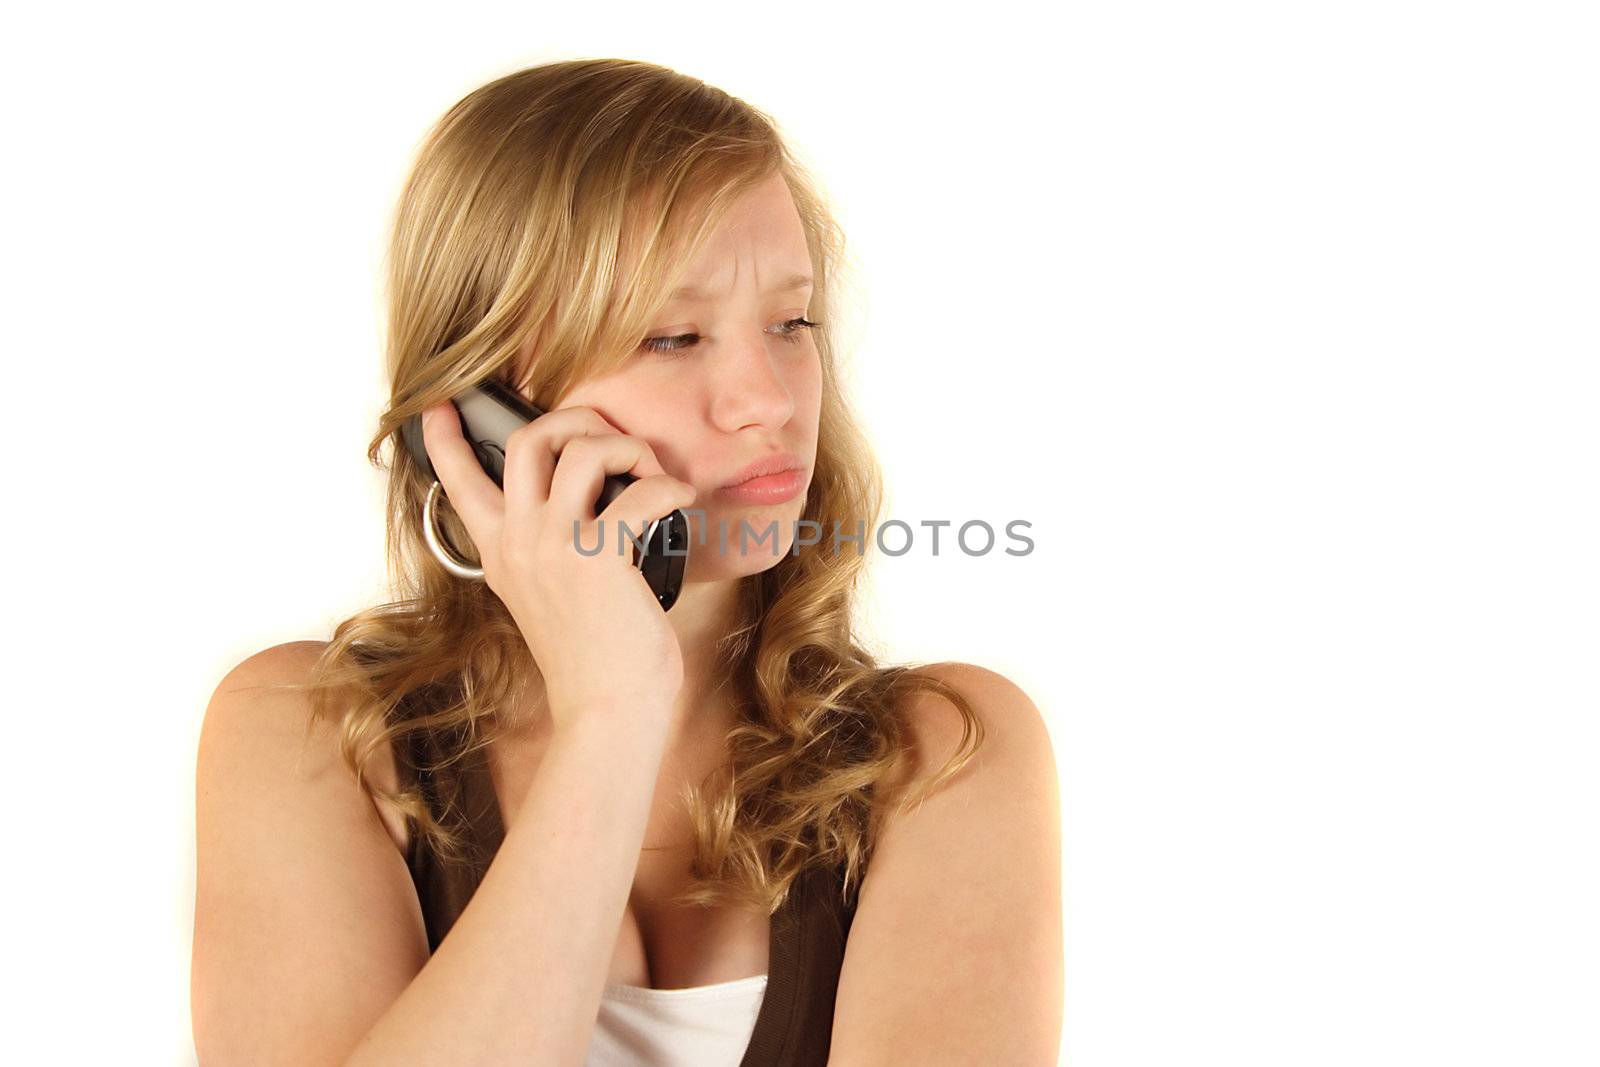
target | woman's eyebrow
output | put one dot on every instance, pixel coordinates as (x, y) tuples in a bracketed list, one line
[(794, 281)]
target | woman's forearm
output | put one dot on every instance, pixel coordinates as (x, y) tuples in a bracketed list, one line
[(519, 977)]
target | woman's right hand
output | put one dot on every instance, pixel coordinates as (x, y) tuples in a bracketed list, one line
[(595, 628)]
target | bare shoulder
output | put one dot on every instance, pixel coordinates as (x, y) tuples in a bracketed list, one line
[(257, 711), (1014, 729), (279, 663), (255, 704), (955, 952), (306, 923), (256, 715)]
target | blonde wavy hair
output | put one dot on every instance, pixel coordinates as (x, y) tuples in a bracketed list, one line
[(546, 219)]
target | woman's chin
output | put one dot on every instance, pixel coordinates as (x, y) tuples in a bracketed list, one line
[(736, 542)]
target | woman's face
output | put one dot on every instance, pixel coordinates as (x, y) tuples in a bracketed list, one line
[(745, 384)]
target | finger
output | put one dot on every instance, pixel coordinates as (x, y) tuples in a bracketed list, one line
[(584, 465), (531, 454), (652, 465), (642, 503), (468, 487)]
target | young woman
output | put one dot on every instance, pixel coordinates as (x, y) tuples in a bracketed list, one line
[(536, 819)]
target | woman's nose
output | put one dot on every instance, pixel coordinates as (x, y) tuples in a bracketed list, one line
[(749, 388)]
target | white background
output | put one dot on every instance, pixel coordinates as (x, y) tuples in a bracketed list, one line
[(1277, 321)]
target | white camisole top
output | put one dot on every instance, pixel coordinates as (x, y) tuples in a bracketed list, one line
[(697, 1026)]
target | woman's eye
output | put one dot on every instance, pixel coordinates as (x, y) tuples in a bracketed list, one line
[(792, 328), (790, 331), (669, 344)]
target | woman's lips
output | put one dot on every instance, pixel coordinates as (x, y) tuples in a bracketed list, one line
[(768, 489)]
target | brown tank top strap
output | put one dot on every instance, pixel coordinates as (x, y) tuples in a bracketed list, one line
[(462, 795), (794, 1026)]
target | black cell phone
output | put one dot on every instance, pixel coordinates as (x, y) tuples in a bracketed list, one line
[(489, 411)]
